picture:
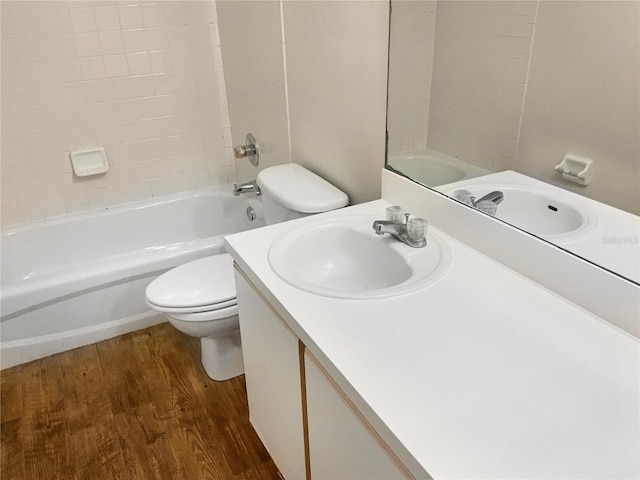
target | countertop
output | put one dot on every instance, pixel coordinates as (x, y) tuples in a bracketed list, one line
[(483, 374)]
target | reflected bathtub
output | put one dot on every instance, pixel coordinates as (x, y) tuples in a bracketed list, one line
[(431, 168)]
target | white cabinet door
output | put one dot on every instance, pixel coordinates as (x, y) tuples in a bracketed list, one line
[(342, 445), (272, 370)]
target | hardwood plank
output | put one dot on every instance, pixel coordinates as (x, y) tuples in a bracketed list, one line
[(121, 368), (47, 450), (11, 435), (11, 393), (138, 406), (93, 437), (145, 446), (12, 453), (186, 416)]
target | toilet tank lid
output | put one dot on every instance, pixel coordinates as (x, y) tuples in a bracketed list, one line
[(298, 189)]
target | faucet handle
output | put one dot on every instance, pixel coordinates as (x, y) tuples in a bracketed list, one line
[(241, 151), (417, 228), (464, 196), (395, 214), (250, 150)]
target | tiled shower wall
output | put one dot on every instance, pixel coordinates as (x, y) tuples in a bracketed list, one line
[(308, 79), (251, 33), (412, 28), (480, 69), (143, 79)]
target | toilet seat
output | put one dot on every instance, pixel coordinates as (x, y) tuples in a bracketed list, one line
[(198, 309), (204, 316), (204, 286)]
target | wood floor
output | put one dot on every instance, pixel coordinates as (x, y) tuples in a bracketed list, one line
[(134, 407)]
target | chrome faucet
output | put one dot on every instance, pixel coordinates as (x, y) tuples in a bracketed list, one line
[(410, 231), (488, 203), (247, 187), (495, 197)]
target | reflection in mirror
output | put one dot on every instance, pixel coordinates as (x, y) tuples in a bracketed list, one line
[(538, 100)]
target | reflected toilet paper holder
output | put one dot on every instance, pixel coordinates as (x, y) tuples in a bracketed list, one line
[(576, 169)]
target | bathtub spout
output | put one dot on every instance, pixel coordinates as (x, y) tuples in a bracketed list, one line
[(247, 187)]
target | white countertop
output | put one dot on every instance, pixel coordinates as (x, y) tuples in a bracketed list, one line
[(481, 375)]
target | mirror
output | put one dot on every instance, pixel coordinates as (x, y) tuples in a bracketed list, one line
[(487, 98)]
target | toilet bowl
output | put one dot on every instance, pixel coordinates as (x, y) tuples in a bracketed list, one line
[(199, 297)]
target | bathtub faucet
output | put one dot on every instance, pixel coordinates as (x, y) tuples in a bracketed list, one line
[(247, 187)]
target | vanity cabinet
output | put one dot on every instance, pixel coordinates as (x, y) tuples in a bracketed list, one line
[(272, 372), (342, 445), (308, 425)]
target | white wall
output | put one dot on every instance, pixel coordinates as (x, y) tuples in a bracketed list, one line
[(336, 69), (142, 79), (519, 84), (331, 93), (479, 77), (412, 30), (251, 37), (583, 97)]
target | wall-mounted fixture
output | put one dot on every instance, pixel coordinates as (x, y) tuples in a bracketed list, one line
[(576, 169), (255, 210), (247, 187), (250, 150), (89, 162)]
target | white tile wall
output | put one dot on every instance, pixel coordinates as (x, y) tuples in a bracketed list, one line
[(144, 79), (583, 97), (251, 33), (486, 45), (336, 71), (328, 112), (411, 48)]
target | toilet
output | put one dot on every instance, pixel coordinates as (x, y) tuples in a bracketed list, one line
[(199, 297)]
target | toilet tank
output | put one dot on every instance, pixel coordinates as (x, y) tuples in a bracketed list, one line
[(291, 191)]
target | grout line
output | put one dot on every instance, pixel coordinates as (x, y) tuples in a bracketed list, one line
[(526, 84), (286, 82)]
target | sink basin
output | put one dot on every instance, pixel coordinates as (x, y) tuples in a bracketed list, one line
[(343, 257), (542, 212)]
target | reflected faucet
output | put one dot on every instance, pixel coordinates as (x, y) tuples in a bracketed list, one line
[(247, 187), (496, 197), (488, 203)]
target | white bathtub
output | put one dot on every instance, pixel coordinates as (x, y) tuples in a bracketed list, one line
[(78, 279)]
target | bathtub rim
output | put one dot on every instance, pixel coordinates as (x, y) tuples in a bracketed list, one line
[(6, 230)]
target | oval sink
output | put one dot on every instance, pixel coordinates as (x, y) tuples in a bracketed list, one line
[(542, 212), (343, 257)]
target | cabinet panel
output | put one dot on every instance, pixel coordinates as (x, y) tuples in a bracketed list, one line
[(272, 370), (342, 446)]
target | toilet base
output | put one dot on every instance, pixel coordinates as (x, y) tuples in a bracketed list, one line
[(222, 356)]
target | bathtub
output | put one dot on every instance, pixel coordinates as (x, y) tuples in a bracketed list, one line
[(78, 279)]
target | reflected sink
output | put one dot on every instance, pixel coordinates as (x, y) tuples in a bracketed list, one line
[(343, 257), (542, 212)]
